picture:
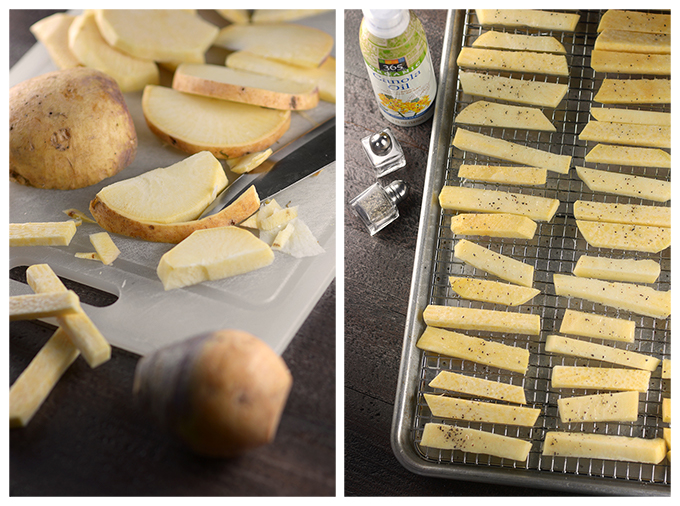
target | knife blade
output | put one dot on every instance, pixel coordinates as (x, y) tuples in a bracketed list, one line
[(292, 163)]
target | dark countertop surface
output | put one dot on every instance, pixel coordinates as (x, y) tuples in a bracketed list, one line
[(89, 439)]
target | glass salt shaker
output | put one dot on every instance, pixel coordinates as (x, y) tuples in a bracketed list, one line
[(384, 152), (376, 206)]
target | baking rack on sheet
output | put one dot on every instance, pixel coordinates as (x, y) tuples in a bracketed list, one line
[(555, 248)]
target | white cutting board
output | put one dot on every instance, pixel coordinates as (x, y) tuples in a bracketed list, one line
[(271, 303)]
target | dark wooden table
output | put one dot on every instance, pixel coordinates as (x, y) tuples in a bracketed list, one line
[(89, 439), (378, 273)]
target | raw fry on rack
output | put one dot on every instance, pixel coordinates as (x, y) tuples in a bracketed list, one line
[(652, 136), (478, 411), (629, 155), (617, 269), (448, 437), (475, 349), (466, 318), (455, 382), (492, 291), (510, 61), (625, 237), (544, 20), (608, 407), (57, 233), (626, 41), (630, 63), (600, 378), (603, 446), (502, 266), (508, 225), (512, 175), (625, 184), (498, 115), (633, 116), (666, 410), (635, 21), (666, 368), (634, 91), (632, 214), (43, 305), (520, 91), (517, 41), (593, 325)]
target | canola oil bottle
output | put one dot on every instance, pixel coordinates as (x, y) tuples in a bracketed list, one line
[(399, 64)]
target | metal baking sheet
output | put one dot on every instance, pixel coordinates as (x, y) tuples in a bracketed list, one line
[(556, 247)]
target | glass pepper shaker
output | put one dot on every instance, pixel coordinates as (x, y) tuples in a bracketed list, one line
[(384, 152), (376, 206)]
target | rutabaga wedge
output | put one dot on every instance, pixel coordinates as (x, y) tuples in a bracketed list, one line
[(635, 21), (52, 32), (625, 237), (285, 42), (492, 291), (544, 20), (475, 349), (171, 194), (526, 92), (628, 155), (455, 382), (460, 198), (323, 77), (513, 61), (217, 81), (498, 115), (593, 351), (626, 296), (634, 91), (631, 214), (493, 225), (516, 41), (600, 378), (593, 325), (448, 437), (603, 446), (212, 254), (477, 411), (226, 129), (57, 233), (625, 184), (159, 34), (87, 44), (626, 41), (465, 140), (617, 269), (501, 266), (608, 407), (654, 136), (511, 175), (489, 320), (633, 116)]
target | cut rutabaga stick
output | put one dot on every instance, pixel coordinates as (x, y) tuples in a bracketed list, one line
[(666, 368), (516, 41), (598, 326), (494, 225), (635, 21), (448, 437), (492, 291), (513, 175), (35, 383), (498, 115), (628, 155), (80, 329), (474, 349), (625, 237), (455, 382), (609, 407), (617, 269), (526, 92), (43, 305), (57, 233), (466, 318), (625, 184), (513, 61), (460, 198), (501, 266), (633, 42), (634, 91), (631, 214), (666, 410), (584, 349), (654, 136), (478, 411), (600, 378), (105, 247), (544, 20), (626, 296), (465, 140), (630, 63), (634, 116), (603, 446)]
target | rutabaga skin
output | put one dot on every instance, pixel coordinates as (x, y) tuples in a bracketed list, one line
[(220, 394)]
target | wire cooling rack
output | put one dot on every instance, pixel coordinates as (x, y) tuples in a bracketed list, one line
[(556, 247)]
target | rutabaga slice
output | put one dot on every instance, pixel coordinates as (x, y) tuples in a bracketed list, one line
[(486, 145), (626, 296), (526, 92), (448, 437), (499, 265), (492, 291), (603, 446), (460, 198), (106, 249), (626, 41), (513, 61), (281, 15), (477, 411), (474, 349), (608, 407), (212, 254), (544, 20), (617, 269), (628, 155), (455, 382), (516, 41), (625, 184), (634, 116), (493, 225), (631, 214), (58, 233), (634, 91), (654, 136), (52, 32), (598, 326), (600, 378), (489, 320), (625, 237), (43, 305), (635, 21), (498, 115), (584, 349), (512, 175), (630, 63)]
